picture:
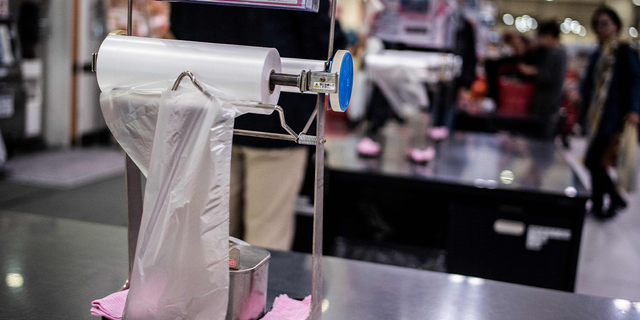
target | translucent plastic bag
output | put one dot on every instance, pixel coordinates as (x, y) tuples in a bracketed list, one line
[(181, 263), (362, 89), (131, 116), (403, 89), (628, 151)]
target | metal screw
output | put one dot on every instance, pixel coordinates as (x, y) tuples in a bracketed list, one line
[(323, 79)]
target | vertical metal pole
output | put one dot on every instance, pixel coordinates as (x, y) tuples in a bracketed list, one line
[(316, 281), (134, 207), (133, 177), (332, 31), (315, 313), (130, 18)]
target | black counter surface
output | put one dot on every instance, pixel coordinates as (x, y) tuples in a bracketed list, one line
[(484, 160)]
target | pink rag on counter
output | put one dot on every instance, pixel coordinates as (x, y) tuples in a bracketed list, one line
[(111, 306), (285, 308)]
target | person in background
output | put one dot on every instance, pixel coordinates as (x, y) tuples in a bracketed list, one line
[(610, 98), (465, 48), (266, 175), (520, 46), (517, 50), (549, 74)]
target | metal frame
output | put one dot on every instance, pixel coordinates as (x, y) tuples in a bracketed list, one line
[(301, 138), (134, 176)]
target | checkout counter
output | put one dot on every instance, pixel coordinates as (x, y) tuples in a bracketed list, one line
[(64, 264), (496, 206)]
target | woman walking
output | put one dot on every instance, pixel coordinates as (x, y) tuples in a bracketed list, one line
[(611, 99)]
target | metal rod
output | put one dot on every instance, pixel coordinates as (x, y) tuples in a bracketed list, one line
[(282, 79), (283, 121), (315, 313), (130, 18), (284, 124), (310, 121), (332, 33), (133, 178), (259, 134)]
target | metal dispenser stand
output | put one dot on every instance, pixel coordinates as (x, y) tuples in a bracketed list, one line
[(134, 176)]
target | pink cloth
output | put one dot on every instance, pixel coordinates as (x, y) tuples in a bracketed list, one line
[(111, 306), (285, 308)]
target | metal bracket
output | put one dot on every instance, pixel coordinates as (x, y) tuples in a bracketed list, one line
[(301, 138), (323, 82), (308, 81), (94, 62)]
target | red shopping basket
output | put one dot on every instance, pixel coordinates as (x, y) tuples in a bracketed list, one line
[(515, 97)]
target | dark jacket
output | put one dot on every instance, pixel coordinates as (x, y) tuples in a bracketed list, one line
[(624, 91), (549, 85), (466, 48), (294, 34)]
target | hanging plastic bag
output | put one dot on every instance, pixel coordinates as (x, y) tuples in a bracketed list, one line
[(402, 88), (131, 116), (627, 152), (360, 98), (181, 263)]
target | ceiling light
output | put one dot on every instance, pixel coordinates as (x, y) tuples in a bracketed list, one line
[(508, 19), (575, 26), (583, 31)]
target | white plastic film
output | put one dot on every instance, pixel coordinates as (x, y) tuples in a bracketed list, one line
[(131, 116), (240, 71), (430, 66), (362, 88), (295, 66), (181, 263), (402, 88)]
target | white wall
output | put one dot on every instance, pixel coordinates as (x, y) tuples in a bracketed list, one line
[(90, 117), (57, 73)]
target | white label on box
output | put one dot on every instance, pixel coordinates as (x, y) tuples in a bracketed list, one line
[(6, 105), (538, 236)]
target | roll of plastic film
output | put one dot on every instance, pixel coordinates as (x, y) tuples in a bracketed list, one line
[(295, 66), (239, 71)]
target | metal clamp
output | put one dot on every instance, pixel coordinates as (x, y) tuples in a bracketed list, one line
[(308, 81), (301, 138)]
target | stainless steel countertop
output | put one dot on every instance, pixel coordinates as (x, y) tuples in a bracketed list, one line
[(363, 290), (53, 268)]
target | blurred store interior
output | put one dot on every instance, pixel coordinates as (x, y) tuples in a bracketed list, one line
[(488, 144)]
